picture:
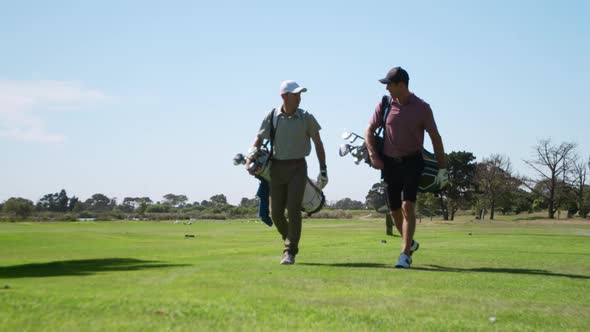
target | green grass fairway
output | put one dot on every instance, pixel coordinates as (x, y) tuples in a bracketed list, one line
[(141, 276)]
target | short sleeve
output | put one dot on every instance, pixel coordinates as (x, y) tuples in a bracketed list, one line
[(312, 125), (264, 131), (377, 118), (429, 123)]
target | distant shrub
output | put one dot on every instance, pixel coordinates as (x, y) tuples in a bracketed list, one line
[(331, 214), (86, 214), (213, 216), (69, 217)]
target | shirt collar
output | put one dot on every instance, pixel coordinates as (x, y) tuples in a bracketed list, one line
[(279, 112), (411, 100)]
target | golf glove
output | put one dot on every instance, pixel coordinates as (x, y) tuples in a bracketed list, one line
[(322, 178), (442, 178)]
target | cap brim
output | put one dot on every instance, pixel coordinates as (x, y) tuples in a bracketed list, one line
[(299, 89), (384, 81)]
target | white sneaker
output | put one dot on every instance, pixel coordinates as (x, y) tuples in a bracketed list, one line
[(404, 261), (414, 247), (288, 259)]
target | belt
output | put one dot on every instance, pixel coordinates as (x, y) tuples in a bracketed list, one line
[(288, 161), (404, 158)]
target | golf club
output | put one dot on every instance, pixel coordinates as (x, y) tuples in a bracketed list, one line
[(428, 180), (239, 159), (344, 150), (351, 136)]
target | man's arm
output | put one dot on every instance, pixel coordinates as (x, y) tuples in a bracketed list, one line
[(439, 150), (257, 144), (322, 180), (370, 140), (319, 150), (371, 144), (443, 175)]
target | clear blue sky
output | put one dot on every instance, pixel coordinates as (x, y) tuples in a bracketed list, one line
[(130, 98)]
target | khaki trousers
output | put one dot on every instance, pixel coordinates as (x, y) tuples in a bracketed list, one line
[(287, 185)]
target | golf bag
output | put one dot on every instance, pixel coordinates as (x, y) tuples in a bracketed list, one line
[(429, 174), (313, 197)]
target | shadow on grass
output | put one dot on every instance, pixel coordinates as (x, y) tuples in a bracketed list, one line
[(371, 265), (517, 218), (82, 267), (438, 268)]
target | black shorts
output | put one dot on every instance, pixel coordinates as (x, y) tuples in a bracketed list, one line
[(402, 176)]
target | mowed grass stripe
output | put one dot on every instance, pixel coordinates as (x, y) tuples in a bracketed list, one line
[(122, 276)]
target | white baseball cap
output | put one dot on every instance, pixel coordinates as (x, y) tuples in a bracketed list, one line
[(290, 86)]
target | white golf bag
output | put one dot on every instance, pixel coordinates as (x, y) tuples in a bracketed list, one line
[(313, 197)]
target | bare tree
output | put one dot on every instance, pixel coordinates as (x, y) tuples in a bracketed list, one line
[(494, 180), (551, 163), (579, 176)]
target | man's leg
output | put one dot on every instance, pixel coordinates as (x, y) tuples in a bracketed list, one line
[(278, 200), (412, 173), (398, 219), (393, 194), (296, 189), (409, 225)]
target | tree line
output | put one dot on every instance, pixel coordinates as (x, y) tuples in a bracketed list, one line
[(560, 185), (59, 206), (484, 188)]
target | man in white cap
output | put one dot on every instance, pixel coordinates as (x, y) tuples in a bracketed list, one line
[(290, 130)]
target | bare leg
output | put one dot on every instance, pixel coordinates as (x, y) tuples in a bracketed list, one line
[(409, 225), (398, 219)]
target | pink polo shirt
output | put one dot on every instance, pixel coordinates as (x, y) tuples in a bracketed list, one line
[(405, 125)]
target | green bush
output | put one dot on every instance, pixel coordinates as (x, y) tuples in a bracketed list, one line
[(331, 214), (213, 216), (86, 214)]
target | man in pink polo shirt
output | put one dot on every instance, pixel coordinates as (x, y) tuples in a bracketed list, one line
[(401, 158)]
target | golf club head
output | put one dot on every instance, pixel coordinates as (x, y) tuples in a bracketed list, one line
[(239, 159), (344, 150), (366, 155), (358, 151), (363, 150), (252, 165)]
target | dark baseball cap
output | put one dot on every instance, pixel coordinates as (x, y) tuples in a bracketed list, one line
[(395, 75)]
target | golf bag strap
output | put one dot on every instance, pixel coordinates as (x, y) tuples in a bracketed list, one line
[(272, 131), (385, 106)]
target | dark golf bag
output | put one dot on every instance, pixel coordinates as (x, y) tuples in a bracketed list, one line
[(429, 174)]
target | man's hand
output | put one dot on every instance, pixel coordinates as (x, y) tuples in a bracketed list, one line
[(322, 178), (442, 178), (250, 166), (376, 161)]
